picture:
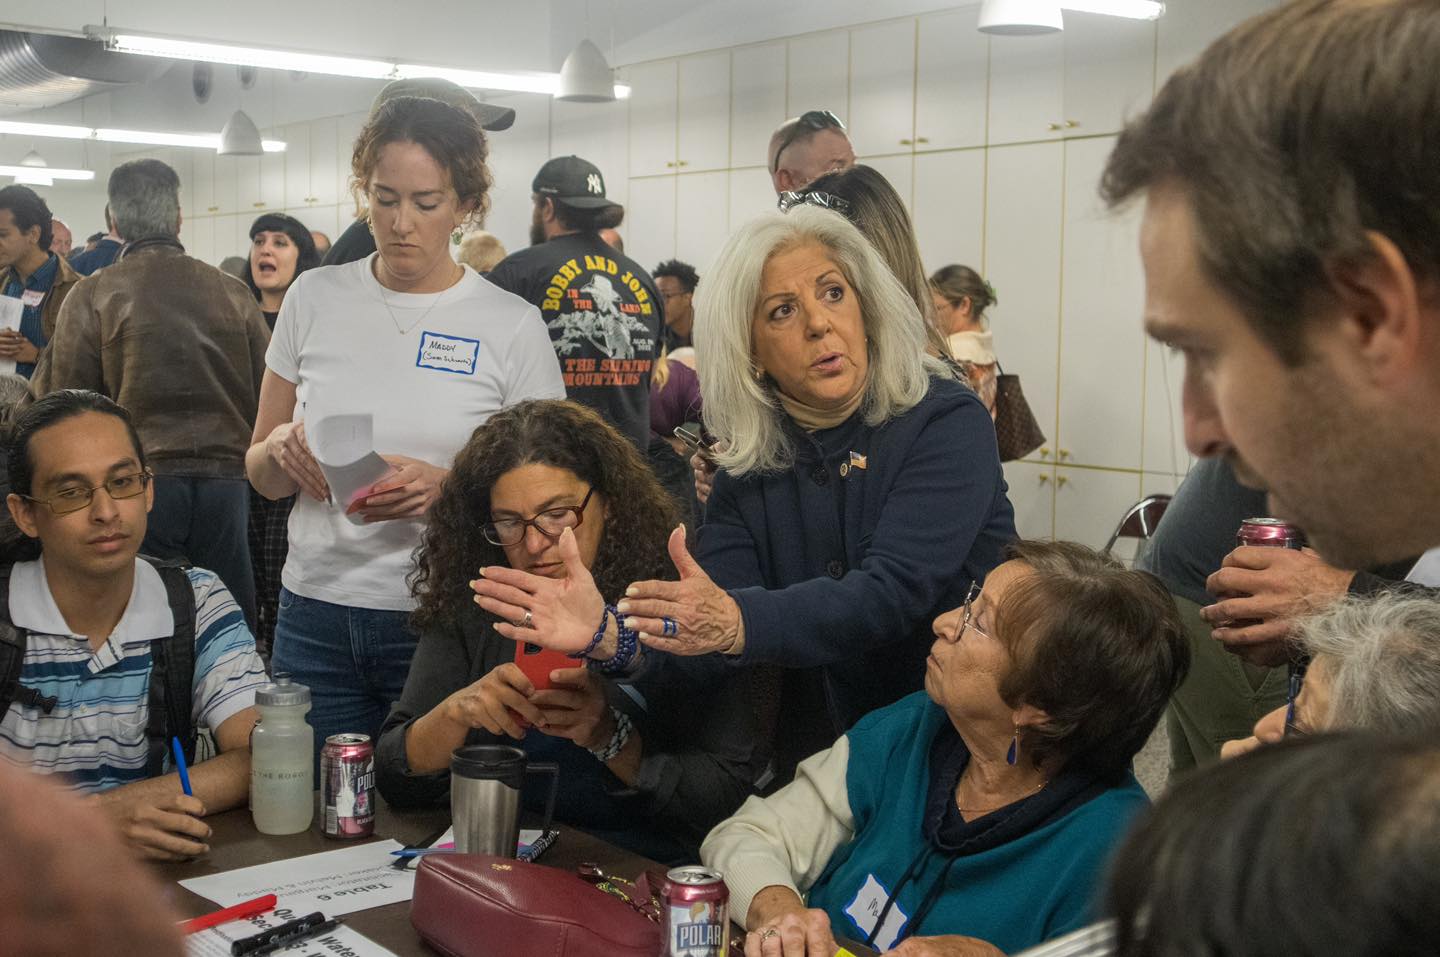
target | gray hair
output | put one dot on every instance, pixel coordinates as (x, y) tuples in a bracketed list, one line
[(1383, 661), (743, 411), (145, 200)]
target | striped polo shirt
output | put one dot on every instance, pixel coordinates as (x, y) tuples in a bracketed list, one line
[(95, 735)]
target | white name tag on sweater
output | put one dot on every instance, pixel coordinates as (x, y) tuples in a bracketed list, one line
[(865, 910)]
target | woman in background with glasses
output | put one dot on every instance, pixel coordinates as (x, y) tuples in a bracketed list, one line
[(551, 490), (980, 813)]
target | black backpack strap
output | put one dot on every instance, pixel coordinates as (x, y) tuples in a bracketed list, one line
[(12, 657), (172, 675)]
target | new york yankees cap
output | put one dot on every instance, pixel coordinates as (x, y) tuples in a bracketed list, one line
[(572, 181)]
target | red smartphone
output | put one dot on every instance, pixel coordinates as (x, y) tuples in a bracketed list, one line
[(537, 663)]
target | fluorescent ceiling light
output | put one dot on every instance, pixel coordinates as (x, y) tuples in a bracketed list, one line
[(46, 172), (202, 141), (355, 67), (1133, 9)]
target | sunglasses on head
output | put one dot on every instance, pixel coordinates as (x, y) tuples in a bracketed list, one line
[(813, 197), (812, 121)]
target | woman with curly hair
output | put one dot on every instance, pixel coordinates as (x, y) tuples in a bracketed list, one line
[(549, 488)]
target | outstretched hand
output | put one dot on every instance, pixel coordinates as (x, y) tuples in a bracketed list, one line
[(564, 612), (692, 616)]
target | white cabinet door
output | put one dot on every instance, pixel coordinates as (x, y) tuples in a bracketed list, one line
[(752, 193), (325, 162), (347, 131), (757, 101), (297, 164), (1102, 345), (1189, 26), (1089, 503), (882, 88), (232, 236), (1027, 88), (595, 131), (197, 235), (247, 185), (900, 171), (650, 222), (701, 202), (1109, 71), (950, 209), (818, 77), (704, 112), (227, 190), (1032, 495), (1022, 262), (272, 175), (521, 151), (952, 60), (202, 167), (1164, 417), (652, 101)]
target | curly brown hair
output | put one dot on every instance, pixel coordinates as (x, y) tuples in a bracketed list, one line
[(452, 137), (638, 513)]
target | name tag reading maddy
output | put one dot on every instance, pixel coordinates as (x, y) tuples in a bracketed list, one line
[(448, 353)]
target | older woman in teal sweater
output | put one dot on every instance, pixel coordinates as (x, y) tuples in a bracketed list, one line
[(977, 817)]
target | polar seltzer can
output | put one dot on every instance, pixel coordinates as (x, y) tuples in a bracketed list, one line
[(1270, 532), (347, 785), (696, 906)]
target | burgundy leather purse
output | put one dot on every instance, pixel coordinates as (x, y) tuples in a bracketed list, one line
[(475, 905)]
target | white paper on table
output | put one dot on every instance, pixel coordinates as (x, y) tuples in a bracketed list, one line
[(334, 882), (216, 941), (12, 310), (344, 446)]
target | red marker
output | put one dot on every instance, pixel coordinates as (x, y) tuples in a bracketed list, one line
[(238, 912)]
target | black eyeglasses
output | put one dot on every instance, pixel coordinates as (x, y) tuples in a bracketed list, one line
[(813, 197), (69, 500), (550, 523), (812, 121)]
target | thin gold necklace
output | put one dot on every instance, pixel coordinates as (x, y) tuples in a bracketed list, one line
[(385, 301), (987, 810)]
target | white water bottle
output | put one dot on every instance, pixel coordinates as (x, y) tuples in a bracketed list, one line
[(282, 759)]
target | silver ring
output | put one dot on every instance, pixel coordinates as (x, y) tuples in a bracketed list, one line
[(527, 620), (768, 933)]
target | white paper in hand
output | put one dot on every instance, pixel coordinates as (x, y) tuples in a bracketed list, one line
[(344, 446), (11, 312)]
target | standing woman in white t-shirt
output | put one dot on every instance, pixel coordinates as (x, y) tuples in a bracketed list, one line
[(430, 350)]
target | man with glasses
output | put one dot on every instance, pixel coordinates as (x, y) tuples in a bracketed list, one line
[(807, 147), (105, 658)]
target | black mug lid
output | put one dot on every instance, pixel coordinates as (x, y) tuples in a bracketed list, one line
[(489, 762)]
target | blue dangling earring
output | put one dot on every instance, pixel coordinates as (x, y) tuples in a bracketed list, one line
[(1014, 752)]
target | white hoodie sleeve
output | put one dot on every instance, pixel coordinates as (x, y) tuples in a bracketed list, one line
[(788, 837)]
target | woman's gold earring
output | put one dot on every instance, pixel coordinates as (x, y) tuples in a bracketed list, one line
[(456, 236)]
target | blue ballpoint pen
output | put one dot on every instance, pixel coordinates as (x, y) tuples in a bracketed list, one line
[(180, 765)]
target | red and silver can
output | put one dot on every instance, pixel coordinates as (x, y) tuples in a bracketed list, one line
[(696, 908), (347, 785), (1270, 532)]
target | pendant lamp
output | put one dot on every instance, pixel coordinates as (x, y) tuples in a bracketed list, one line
[(586, 76), (1020, 18), (240, 137)]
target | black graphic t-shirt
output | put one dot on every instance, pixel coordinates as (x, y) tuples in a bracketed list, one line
[(604, 317)]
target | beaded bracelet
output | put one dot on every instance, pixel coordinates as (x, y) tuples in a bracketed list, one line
[(626, 649), (599, 636), (617, 740)]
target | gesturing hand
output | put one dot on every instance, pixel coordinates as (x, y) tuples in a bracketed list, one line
[(499, 702), (164, 826), (407, 492), (287, 448), (703, 616), (564, 612), (1263, 591)]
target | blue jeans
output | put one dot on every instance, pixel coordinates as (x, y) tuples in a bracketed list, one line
[(353, 660), (206, 522)]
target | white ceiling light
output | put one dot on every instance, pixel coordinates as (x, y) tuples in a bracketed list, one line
[(355, 67), (1133, 9), (33, 171), (240, 137), (1020, 18), (586, 77), (204, 141)]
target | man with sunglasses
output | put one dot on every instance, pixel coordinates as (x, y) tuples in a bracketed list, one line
[(807, 147), (92, 637)]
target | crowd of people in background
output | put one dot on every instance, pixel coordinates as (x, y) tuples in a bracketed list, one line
[(762, 510)]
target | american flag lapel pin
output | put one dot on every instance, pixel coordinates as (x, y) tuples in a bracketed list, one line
[(857, 461)]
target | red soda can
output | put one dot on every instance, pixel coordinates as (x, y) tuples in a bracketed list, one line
[(347, 785), (696, 909), (1270, 532)]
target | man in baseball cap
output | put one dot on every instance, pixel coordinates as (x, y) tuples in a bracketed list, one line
[(602, 309), (356, 242)]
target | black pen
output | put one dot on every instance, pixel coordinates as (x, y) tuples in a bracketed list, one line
[(315, 931), (277, 937)]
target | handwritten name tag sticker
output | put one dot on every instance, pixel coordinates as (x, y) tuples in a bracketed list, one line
[(448, 353), (32, 297), (866, 908)]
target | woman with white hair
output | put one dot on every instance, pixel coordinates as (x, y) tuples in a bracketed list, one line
[(860, 494), (1375, 664)]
